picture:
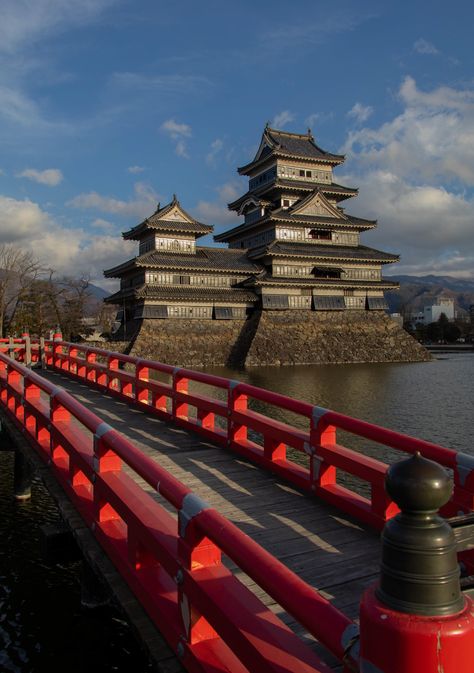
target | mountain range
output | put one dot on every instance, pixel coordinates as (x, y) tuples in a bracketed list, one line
[(419, 291)]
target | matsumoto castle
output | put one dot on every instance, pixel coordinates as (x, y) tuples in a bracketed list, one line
[(296, 248)]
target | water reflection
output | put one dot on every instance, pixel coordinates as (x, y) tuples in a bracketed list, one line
[(42, 626), (431, 400)]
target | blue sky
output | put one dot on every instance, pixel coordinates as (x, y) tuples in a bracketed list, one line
[(108, 106)]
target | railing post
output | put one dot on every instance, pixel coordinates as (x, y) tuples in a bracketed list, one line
[(27, 350), (142, 376), (104, 460), (180, 385), (321, 434), (58, 414), (195, 551), (236, 401), (31, 393), (72, 352), (416, 618), (11, 347), (57, 350), (91, 373)]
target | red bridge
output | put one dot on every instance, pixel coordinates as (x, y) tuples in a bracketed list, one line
[(233, 529)]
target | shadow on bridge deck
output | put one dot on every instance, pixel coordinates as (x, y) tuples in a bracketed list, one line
[(328, 550)]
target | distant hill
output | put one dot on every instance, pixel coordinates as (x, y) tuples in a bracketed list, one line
[(419, 291), (98, 292)]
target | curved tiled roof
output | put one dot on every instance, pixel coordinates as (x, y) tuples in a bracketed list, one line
[(205, 258), (315, 251), (195, 293), (267, 279), (286, 144)]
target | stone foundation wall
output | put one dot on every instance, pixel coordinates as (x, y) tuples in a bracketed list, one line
[(196, 343), (304, 337), (278, 338)]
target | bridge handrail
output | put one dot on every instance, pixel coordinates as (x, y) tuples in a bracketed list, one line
[(88, 464), (240, 427)]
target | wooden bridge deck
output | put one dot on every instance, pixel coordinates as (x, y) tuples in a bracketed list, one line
[(324, 547)]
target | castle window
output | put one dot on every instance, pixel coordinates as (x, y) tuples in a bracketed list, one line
[(302, 173), (286, 203), (326, 272), (308, 174), (320, 235)]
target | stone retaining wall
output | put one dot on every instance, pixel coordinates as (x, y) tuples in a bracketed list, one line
[(278, 338), (303, 337)]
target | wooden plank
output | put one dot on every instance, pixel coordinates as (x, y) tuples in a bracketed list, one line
[(322, 545)]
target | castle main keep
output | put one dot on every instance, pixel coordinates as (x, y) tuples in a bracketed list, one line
[(297, 255)]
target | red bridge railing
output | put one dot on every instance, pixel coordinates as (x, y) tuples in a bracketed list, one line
[(172, 562), (229, 421)]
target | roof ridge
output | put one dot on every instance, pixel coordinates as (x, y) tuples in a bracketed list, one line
[(289, 133)]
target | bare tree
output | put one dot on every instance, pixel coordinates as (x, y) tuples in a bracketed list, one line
[(19, 270)]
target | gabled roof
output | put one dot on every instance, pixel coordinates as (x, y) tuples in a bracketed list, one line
[(290, 145), (171, 218), (316, 204), (349, 222), (286, 185)]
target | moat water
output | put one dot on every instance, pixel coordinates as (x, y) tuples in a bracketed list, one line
[(43, 628)]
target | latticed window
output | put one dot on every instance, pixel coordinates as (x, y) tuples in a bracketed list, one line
[(275, 301), (328, 303)]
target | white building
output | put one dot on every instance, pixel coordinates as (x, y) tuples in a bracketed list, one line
[(432, 313)]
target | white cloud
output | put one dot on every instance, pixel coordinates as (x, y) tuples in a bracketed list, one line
[(216, 212), (314, 30), (430, 227), (178, 132), (422, 46), (67, 250), (141, 205), (416, 176), (163, 84), (181, 149), (26, 21), (105, 225), (360, 112), (135, 169), (20, 220), (50, 176), (216, 148), (432, 139), (282, 119)]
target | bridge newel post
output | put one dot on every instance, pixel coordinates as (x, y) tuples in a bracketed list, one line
[(416, 618)]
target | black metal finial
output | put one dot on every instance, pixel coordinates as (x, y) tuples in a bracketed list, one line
[(420, 573)]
